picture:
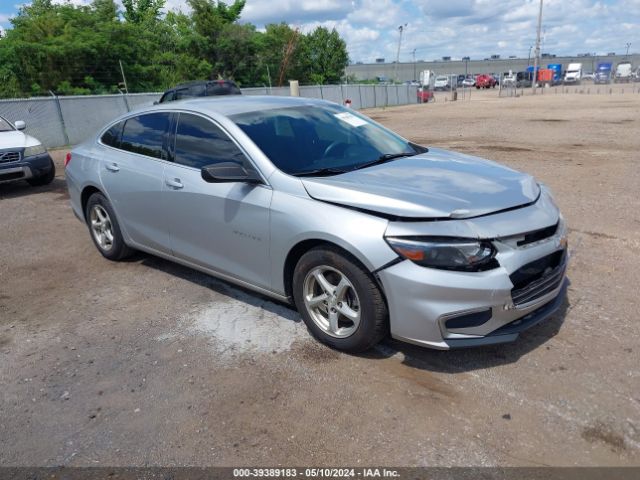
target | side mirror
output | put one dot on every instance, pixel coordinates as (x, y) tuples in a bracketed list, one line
[(156, 102), (228, 172), (20, 125)]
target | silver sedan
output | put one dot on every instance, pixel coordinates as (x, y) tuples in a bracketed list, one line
[(305, 201)]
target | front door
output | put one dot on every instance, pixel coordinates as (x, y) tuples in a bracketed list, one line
[(220, 226)]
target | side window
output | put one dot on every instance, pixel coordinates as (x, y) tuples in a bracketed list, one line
[(112, 136), (182, 93), (167, 97), (197, 90), (145, 134), (200, 143)]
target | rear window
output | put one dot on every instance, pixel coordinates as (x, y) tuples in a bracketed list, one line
[(145, 134), (222, 88)]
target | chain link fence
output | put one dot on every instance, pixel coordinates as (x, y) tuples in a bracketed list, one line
[(60, 121)]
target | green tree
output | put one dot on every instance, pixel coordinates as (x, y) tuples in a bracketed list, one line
[(77, 49), (139, 11), (326, 56)]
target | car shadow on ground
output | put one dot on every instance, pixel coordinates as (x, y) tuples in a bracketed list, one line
[(22, 189), (221, 287), (443, 361), (476, 358), (447, 361)]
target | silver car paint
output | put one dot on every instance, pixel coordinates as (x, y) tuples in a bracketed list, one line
[(134, 185), (246, 237), (438, 184)]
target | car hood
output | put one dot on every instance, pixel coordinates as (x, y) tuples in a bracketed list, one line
[(437, 184), (16, 139)]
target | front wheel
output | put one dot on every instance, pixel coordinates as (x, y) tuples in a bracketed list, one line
[(339, 301), (104, 228)]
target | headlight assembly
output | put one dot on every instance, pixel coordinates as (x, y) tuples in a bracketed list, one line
[(464, 255), (34, 150)]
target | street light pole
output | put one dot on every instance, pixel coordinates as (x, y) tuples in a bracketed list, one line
[(626, 56), (537, 52), (414, 64), (400, 29)]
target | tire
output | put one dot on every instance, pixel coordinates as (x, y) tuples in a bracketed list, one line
[(360, 317), (104, 228), (45, 179)]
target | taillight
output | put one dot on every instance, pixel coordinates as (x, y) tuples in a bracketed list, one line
[(67, 159)]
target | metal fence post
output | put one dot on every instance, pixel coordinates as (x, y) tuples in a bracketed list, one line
[(126, 103), (64, 127), (360, 95)]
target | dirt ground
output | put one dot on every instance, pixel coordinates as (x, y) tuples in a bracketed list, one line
[(149, 363)]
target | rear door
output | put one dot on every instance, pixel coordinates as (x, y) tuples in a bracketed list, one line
[(132, 173), (220, 226)]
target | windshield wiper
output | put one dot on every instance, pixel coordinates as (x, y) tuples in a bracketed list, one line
[(320, 172), (385, 158)]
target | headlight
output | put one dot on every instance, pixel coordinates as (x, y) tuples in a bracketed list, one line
[(464, 255), (34, 150)]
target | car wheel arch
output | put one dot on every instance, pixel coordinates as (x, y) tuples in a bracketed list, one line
[(85, 195), (302, 247)]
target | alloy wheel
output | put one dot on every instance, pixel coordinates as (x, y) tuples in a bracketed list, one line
[(332, 301), (101, 227)]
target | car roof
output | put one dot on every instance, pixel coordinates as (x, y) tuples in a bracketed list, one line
[(201, 82), (228, 105)]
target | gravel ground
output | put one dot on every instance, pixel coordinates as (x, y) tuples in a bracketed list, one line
[(148, 363)]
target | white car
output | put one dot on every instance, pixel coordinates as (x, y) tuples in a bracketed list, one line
[(469, 82), (23, 157), (442, 83)]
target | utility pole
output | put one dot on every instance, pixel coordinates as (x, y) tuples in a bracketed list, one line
[(537, 52), (124, 80), (400, 29), (414, 64)]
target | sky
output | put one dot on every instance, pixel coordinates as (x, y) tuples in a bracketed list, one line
[(455, 28)]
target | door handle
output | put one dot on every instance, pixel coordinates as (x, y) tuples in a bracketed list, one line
[(175, 183), (113, 167)]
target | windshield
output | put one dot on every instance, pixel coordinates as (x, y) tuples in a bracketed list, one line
[(304, 139), (441, 79), (5, 126)]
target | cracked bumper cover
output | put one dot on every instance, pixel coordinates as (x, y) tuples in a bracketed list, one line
[(423, 301)]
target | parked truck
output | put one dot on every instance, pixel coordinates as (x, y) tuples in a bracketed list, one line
[(623, 72), (603, 73), (427, 79), (573, 74), (557, 72), (545, 77), (425, 90)]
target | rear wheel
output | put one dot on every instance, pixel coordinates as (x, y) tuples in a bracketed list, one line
[(45, 179), (339, 301), (104, 228)]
